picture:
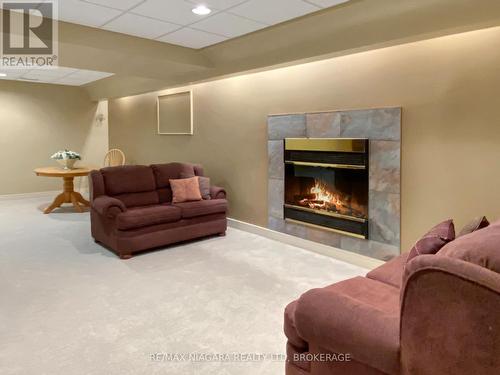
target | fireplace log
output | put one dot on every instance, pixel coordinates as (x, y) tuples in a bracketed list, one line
[(300, 197)]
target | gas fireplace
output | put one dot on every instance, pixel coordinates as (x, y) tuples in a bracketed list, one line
[(326, 184)]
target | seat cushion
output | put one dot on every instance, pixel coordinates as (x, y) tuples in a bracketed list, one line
[(204, 207), (390, 272), (359, 316), (145, 216)]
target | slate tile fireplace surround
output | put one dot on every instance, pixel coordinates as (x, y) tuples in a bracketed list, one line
[(334, 178)]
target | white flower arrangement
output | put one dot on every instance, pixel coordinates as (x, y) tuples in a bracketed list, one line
[(65, 155)]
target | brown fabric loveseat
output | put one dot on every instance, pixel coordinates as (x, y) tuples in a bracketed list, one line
[(435, 315), (132, 209)]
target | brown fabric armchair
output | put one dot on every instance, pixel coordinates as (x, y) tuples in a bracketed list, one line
[(132, 209), (438, 315)]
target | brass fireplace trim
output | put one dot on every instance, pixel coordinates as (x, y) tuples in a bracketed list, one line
[(326, 213), (326, 165), (338, 231), (357, 145)]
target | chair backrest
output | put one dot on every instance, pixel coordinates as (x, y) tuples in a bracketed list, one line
[(451, 303), (114, 158)]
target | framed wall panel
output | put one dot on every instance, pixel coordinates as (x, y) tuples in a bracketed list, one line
[(175, 113)]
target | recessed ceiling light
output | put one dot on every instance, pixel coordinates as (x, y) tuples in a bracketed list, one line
[(3, 75), (201, 10)]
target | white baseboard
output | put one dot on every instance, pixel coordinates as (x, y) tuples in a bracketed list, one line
[(343, 255)]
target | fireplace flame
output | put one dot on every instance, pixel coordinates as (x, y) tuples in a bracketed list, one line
[(319, 197), (322, 194), (323, 198)]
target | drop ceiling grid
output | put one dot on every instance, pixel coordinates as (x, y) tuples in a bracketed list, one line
[(57, 75), (150, 18)]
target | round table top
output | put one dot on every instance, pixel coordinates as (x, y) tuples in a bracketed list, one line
[(60, 172)]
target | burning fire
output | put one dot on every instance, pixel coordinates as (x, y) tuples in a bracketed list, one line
[(323, 198), (319, 197)]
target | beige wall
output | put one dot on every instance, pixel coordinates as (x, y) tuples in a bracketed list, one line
[(37, 120), (448, 88)]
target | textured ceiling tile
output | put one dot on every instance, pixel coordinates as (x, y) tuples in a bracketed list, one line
[(192, 38)]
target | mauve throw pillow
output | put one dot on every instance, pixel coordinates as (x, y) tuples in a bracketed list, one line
[(475, 224), (480, 247), (433, 240), (185, 190), (204, 187)]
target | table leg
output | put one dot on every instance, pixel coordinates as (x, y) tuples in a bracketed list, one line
[(72, 196), (69, 195), (75, 203), (80, 199), (58, 201)]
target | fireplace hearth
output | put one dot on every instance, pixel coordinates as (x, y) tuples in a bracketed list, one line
[(326, 184)]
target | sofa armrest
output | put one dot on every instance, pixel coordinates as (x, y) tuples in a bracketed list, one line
[(96, 185), (347, 318), (108, 206), (217, 192), (451, 306)]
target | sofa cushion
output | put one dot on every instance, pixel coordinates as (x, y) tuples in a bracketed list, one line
[(433, 240), (146, 198), (165, 195), (165, 172), (358, 316), (390, 272), (198, 170), (204, 207), (473, 225), (194, 221), (128, 179), (481, 247), (145, 216)]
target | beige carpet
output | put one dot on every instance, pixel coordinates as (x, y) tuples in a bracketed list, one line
[(68, 306)]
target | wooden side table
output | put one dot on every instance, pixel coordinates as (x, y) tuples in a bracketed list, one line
[(69, 195)]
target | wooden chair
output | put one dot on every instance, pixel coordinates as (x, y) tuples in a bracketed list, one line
[(114, 158)]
